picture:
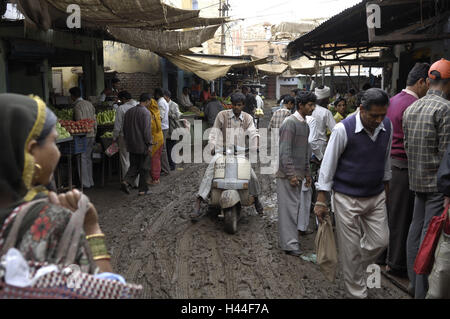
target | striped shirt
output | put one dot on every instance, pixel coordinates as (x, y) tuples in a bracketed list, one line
[(278, 117), (426, 124), (231, 130)]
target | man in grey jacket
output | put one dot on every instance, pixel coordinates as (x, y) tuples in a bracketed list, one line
[(137, 131), (293, 169)]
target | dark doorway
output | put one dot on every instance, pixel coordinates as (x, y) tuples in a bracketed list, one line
[(407, 62)]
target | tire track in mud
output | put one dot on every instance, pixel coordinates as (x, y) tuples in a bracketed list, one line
[(154, 244)]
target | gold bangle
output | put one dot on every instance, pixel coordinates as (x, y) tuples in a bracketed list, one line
[(95, 236), (102, 257)]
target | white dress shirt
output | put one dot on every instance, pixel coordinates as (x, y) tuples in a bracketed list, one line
[(324, 119), (313, 138), (185, 100), (174, 110), (120, 114), (336, 146), (164, 112), (259, 102)]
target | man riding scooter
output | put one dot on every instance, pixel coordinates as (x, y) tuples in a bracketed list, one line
[(232, 126)]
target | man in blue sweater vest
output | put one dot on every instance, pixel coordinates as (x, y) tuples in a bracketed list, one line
[(357, 168)]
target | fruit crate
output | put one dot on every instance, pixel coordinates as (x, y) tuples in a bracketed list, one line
[(76, 146)]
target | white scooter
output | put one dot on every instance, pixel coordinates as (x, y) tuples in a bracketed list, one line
[(232, 173)]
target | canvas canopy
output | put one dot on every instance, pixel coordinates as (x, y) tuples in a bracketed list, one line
[(163, 41), (302, 65), (146, 24), (146, 14), (211, 67), (274, 69)]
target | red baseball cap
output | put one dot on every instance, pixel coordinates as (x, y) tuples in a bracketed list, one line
[(443, 67)]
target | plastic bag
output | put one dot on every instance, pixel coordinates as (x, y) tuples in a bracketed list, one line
[(112, 149), (439, 279), (425, 256), (326, 250)]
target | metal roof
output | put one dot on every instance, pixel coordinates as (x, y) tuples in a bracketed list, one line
[(424, 19)]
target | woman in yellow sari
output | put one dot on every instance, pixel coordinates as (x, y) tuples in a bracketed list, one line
[(158, 139)]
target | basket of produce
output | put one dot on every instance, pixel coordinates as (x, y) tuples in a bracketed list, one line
[(78, 127), (107, 117), (62, 132), (106, 139), (64, 114), (226, 102)]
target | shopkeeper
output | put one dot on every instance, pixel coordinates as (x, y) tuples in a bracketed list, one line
[(111, 94), (83, 109)]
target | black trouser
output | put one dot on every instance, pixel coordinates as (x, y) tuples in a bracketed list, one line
[(170, 144), (139, 166), (400, 208)]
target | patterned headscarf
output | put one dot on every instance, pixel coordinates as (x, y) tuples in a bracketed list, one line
[(23, 119)]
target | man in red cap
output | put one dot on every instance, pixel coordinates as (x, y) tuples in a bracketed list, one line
[(426, 124)]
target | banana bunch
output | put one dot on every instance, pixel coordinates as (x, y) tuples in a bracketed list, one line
[(106, 117), (107, 135)]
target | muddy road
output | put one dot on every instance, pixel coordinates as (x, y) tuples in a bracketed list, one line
[(153, 243)]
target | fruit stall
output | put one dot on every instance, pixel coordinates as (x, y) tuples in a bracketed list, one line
[(72, 143), (194, 114)]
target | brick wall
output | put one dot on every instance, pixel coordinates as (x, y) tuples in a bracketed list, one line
[(138, 83)]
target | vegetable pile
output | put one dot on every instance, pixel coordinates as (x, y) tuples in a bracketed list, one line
[(106, 117), (107, 135), (82, 126), (66, 114), (62, 132)]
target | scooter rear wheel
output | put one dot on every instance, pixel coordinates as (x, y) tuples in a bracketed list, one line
[(231, 216)]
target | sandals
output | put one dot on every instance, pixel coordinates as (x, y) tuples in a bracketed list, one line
[(125, 188), (154, 182)]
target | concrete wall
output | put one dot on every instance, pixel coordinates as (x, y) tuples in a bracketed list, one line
[(69, 79), (262, 49), (124, 58)]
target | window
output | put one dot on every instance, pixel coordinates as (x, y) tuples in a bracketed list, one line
[(249, 51), (271, 51)]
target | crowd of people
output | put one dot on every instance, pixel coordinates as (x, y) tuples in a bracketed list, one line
[(383, 166), (380, 165)]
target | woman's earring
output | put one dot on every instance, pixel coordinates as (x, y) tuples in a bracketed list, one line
[(37, 169)]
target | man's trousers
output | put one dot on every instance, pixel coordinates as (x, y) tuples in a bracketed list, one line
[(362, 233)]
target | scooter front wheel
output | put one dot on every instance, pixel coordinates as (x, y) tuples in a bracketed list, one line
[(231, 216)]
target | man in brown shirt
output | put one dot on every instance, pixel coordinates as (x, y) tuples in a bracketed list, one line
[(231, 125)]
